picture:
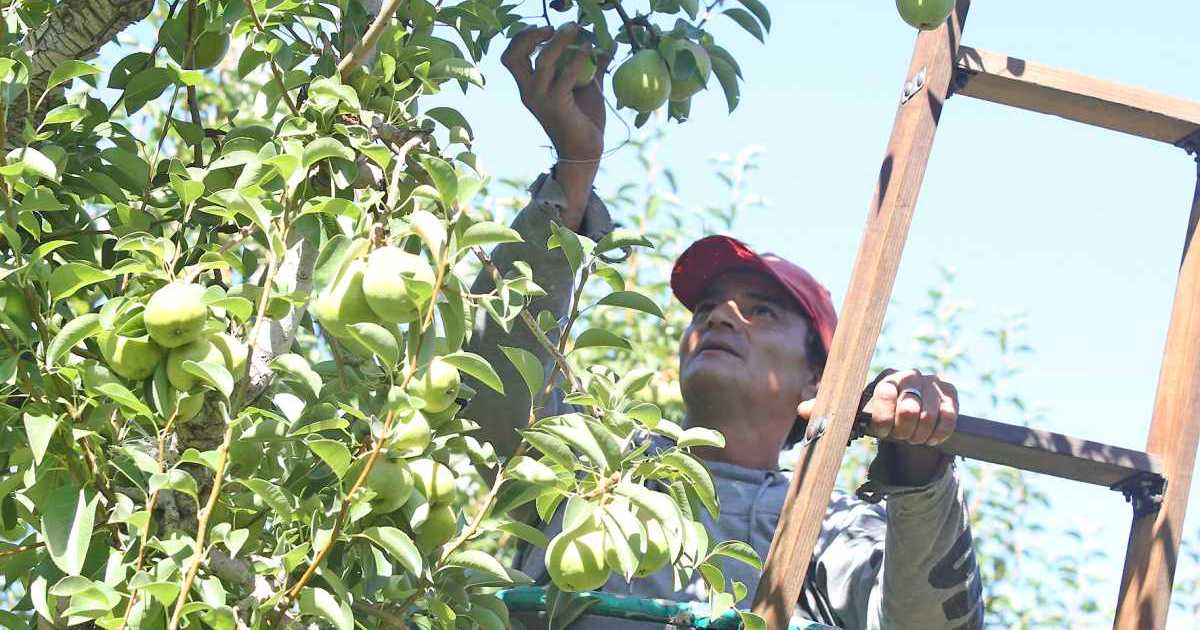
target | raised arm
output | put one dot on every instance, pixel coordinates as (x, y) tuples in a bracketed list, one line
[(573, 117)]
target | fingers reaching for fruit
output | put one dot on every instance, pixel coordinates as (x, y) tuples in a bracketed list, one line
[(563, 87)]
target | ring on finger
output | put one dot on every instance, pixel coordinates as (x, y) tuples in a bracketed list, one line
[(912, 391)]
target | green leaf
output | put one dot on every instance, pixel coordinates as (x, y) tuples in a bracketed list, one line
[(71, 334), (476, 366), (129, 169), (455, 68), (176, 480), (600, 338), (430, 229), (445, 180), (479, 561), (272, 495), (450, 118), (146, 86), (398, 545), (321, 603), (746, 21), (624, 531), (530, 470), (622, 237), (73, 276), (760, 11), (528, 366), (701, 436), (70, 69), (697, 477), (333, 453), (68, 517), (39, 429), (189, 190), (727, 76), (488, 233), (378, 340), (295, 369), (325, 148), (239, 307), (121, 395), (632, 300), (568, 240), (34, 162), (528, 533), (65, 113), (738, 550), (214, 374), (751, 621), (551, 446)]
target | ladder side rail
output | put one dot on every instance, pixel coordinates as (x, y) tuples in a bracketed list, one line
[(838, 397), (1154, 537)]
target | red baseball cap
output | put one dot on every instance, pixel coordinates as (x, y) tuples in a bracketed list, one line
[(711, 256)]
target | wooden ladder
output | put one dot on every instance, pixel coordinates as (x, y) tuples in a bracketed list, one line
[(941, 67)]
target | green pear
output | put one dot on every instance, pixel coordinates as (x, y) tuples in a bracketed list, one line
[(411, 434), (391, 480), (437, 529), (437, 385), (643, 82), (343, 303), (575, 559), (176, 314), (434, 480), (925, 14), (133, 358), (198, 350), (397, 284), (234, 351)]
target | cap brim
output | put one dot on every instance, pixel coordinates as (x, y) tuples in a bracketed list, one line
[(710, 257)]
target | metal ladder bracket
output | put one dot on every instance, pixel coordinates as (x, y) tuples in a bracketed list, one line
[(1144, 490)]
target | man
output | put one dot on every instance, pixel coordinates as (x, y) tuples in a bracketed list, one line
[(750, 362)]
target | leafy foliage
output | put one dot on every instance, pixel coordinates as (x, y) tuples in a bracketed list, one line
[(278, 435)]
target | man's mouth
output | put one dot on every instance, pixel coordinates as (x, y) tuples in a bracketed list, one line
[(716, 346)]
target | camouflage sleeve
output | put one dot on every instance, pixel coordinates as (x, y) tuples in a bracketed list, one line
[(500, 415), (910, 564)]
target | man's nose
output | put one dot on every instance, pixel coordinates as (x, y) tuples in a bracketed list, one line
[(725, 313)]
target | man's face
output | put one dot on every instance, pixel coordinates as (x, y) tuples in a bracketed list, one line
[(747, 341)]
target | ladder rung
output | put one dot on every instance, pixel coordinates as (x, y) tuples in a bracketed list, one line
[(1047, 452), (1010, 81)]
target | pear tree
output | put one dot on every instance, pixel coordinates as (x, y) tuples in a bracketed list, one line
[(236, 320)]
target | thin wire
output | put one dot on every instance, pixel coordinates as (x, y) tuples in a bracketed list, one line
[(628, 138)]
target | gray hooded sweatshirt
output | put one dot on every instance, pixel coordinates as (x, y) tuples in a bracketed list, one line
[(908, 565)]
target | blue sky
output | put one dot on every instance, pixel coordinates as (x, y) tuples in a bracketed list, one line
[(1079, 227)]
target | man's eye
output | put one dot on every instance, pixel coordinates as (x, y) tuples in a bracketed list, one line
[(762, 309)]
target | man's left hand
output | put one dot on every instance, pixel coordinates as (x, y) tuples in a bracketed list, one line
[(914, 412), (912, 408)]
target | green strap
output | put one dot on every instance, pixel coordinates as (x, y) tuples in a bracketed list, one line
[(682, 614)]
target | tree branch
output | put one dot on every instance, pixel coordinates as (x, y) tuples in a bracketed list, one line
[(77, 29), (364, 50)]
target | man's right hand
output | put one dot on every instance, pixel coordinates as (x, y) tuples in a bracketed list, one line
[(572, 117)]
